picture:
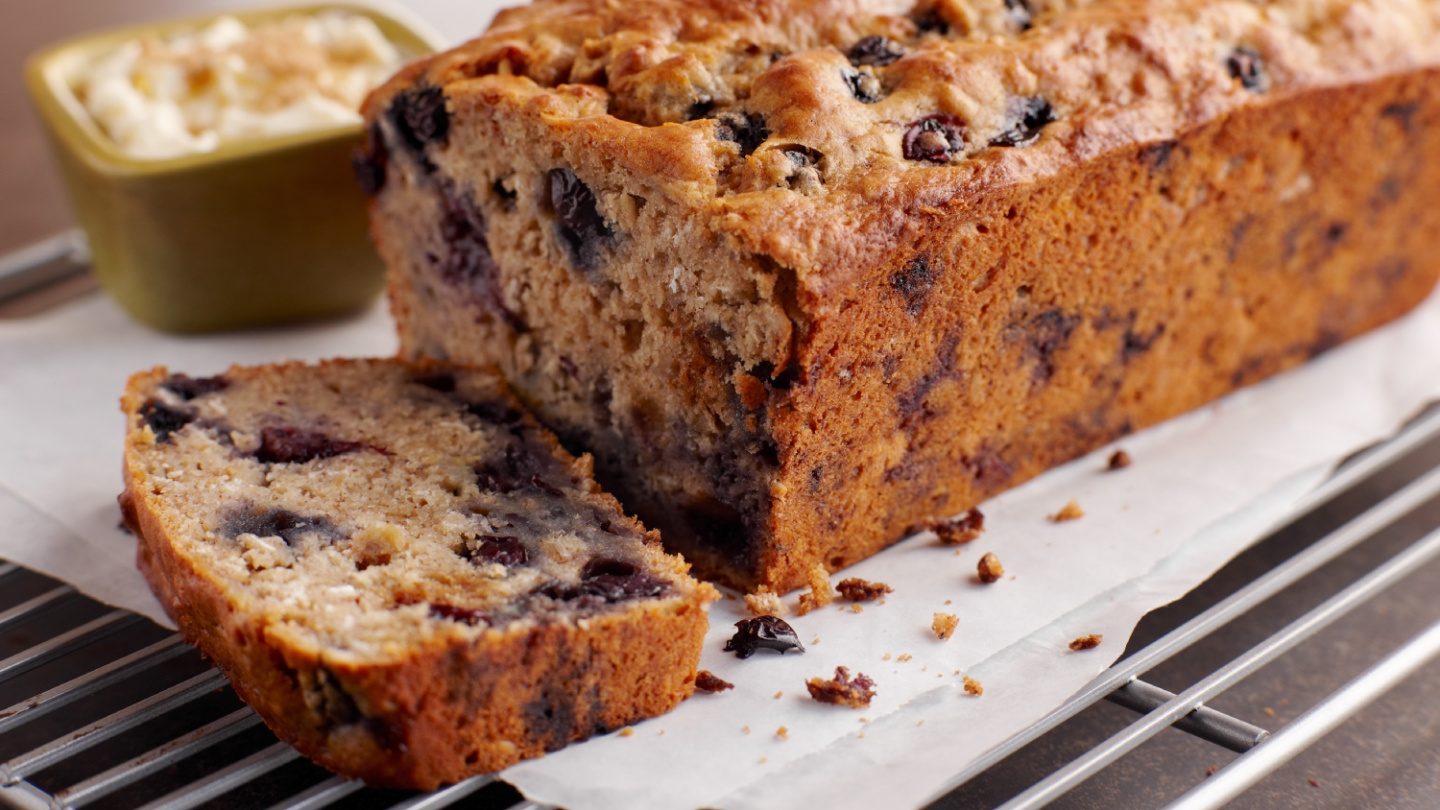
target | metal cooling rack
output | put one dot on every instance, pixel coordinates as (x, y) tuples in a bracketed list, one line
[(109, 710)]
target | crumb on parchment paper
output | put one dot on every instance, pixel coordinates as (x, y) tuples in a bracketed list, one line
[(1070, 511), (707, 681), (764, 603), (855, 589), (960, 529), (1087, 642), (842, 690), (989, 568), (944, 625)]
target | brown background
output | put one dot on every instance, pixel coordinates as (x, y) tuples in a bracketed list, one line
[(32, 205)]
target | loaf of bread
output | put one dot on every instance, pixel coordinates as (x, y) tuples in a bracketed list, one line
[(405, 577), (805, 274)]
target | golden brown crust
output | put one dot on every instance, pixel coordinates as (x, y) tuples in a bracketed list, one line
[(795, 350), (443, 711), (1180, 271), (597, 78)]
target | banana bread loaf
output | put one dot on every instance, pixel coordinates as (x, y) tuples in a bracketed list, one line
[(403, 574), (803, 274)]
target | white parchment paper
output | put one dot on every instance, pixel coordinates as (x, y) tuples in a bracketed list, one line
[(1201, 489)]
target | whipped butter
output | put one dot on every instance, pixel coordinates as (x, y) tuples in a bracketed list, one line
[(160, 98)]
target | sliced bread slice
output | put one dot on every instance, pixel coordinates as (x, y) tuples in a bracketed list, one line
[(400, 570)]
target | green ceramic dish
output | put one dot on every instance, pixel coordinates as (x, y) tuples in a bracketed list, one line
[(259, 231)]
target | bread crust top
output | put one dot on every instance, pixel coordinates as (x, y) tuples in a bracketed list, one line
[(798, 127)]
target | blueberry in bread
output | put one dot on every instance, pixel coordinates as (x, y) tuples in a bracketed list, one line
[(803, 274), (399, 570)]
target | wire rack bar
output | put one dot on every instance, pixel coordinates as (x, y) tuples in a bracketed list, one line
[(1277, 579), (445, 796), (1314, 724), (134, 770), (33, 604), (1204, 722), (226, 779), (43, 263), (91, 682), (110, 725), (321, 795), (66, 643), (1092, 761), (25, 796)]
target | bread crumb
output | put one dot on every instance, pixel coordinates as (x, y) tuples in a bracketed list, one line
[(973, 687), (856, 609), (745, 729), (960, 529), (858, 590), (842, 690), (1070, 511), (782, 733), (1269, 712), (707, 681), (820, 595), (1119, 460), (814, 641), (627, 732), (949, 601), (764, 602), (778, 694), (764, 760), (1211, 771), (1089, 642), (920, 722), (944, 625), (990, 569), (903, 657), (885, 657), (1312, 782)]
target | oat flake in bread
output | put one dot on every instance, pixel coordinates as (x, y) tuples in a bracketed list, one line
[(399, 570), (805, 274)]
